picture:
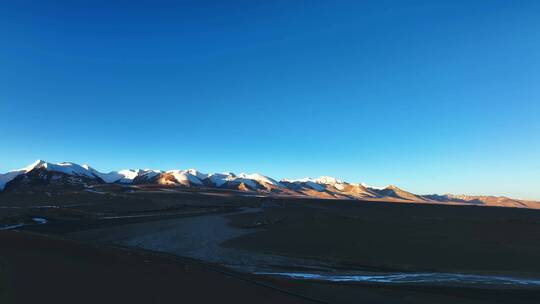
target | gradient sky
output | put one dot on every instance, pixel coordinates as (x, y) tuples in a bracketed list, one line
[(431, 96)]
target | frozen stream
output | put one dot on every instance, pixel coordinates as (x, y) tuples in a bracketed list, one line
[(418, 278), (200, 237)]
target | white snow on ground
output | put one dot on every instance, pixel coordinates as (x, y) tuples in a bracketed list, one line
[(237, 180), (420, 278), (301, 180), (148, 173), (185, 177), (39, 220), (339, 186), (259, 177), (306, 182), (94, 191), (332, 181), (128, 174), (67, 168), (123, 176), (218, 179), (374, 187), (9, 227), (196, 173), (327, 180), (9, 176), (110, 177)]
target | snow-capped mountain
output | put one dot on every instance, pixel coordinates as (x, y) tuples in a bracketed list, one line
[(182, 177), (304, 183), (67, 175), (42, 173), (219, 179), (123, 176), (9, 176), (393, 191)]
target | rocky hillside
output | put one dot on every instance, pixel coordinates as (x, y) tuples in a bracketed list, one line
[(44, 176)]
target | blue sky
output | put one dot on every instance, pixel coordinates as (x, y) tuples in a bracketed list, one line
[(432, 96)]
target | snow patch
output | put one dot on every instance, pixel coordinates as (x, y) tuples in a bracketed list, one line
[(39, 220), (373, 187), (185, 177), (218, 179), (306, 182), (259, 177), (327, 180)]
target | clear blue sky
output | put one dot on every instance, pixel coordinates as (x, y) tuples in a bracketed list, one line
[(432, 96)]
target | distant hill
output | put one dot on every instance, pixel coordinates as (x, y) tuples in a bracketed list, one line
[(45, 176)]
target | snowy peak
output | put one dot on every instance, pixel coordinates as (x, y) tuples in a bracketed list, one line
[(327, 180), (243, 180), (123, 176), (306, 183), (259, 178), (65, 168), (395, 192), (320, 184), (70, 169), (44, 176), (85, 171), (234, 181), (38, 163), (201, 176), (219, 179), (185, 177), (372, 187)]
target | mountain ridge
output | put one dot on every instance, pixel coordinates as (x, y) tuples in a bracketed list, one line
[(71, 175)]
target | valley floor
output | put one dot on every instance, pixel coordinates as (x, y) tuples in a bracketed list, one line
[(170, 247), (38, 269)]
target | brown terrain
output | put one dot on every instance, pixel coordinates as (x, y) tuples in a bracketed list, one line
[(168, 244), (36, 269), (47, 177), (404, 237)]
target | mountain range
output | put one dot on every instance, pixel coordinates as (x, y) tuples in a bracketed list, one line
[(42, 175)]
